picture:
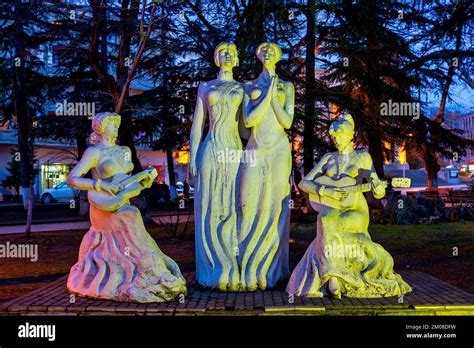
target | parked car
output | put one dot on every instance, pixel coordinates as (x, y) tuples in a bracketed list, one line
[(6, 195), (180, 190), (59, 193), (158, 193)]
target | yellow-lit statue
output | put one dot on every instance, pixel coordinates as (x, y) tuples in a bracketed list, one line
[(343, 260), (264, 222), (215, 162)]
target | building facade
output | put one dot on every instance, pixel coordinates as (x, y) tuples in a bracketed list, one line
[(54, 160)]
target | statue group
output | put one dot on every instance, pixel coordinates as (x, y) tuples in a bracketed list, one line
[(241, 203)]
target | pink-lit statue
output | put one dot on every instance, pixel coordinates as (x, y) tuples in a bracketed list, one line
[(118, 259)]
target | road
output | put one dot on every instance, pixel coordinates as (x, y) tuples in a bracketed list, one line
[(83, 225)]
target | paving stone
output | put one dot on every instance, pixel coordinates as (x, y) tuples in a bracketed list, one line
[(431, 296)]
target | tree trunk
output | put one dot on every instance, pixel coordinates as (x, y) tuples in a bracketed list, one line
[(310, 94), (117, 85), (81, 142), (259, 30), (128, 19), (126, 138), (432, 168), (29, 215), (431, 163), (172, 178), (376, 152), (24, 122), (449, 76)]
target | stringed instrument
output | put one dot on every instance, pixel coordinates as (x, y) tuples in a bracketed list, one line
[(346, 184), (129, 187)]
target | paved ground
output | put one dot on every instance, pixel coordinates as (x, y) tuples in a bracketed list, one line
[(58, 226), (81, 225), (431, 296)]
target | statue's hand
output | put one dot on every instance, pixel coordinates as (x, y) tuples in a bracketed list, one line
[(148, 181), (378, 189), (335, 193), (109, 187), (274, 86)]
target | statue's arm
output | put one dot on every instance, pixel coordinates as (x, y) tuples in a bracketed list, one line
[(244, 132), (254, 113), (88, 161), (307, 184), (198, 124), (286, 112), (371, 175)]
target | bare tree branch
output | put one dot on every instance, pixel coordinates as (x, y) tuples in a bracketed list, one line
[(138, 55)]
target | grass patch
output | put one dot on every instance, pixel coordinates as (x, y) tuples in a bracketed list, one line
[(57, 253), (424, 248)]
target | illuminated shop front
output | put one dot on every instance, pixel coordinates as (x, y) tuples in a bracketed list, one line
[(53, 174)]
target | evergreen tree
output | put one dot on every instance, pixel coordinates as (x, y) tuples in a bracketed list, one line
[(372, 52)]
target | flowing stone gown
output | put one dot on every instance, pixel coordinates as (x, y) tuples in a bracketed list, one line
[(217, 162), (264, 201), (343, 247), (118, 259)]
